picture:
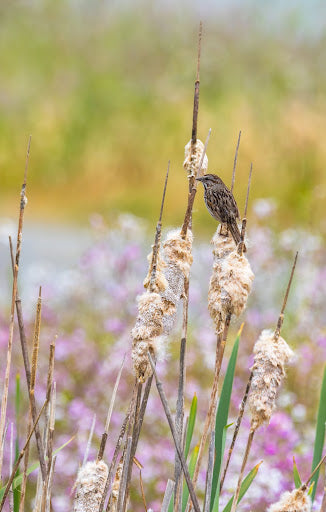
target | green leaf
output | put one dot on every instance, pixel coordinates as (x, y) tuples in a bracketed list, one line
[(190, 431), (244, 487), (320, 434), (191, 424), (171, 503), (311, 488), (18, 480), (217, 493), (222, 414), (191, 467), (296, 475)]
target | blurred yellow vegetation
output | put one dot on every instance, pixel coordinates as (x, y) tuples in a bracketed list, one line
[(107, 94)]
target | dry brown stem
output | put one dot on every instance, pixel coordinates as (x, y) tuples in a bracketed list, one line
[(21, 455), (4, 400)]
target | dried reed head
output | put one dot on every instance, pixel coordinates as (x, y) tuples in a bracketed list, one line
[(271, 356), (193, 158), (160, 283), (231, 280), (295, 501), (90, 485), (149, 325), (177, 250), (157, 310)]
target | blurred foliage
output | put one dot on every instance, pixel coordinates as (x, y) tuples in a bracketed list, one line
[(106, 90)]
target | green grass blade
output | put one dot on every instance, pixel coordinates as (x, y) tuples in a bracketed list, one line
[(191, 424), (244, 487), (191, 467), (171, 503), (320, 434), (217, 493), (17, 493), (18, 480), (190, 431), (296, 475), (222, 414)]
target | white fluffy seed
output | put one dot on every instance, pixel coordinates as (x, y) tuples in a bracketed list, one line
[(192, 159), (295, 501), (90, 486), (268, 370), (231, 280)]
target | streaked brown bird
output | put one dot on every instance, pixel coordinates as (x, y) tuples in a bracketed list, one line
[(221, 204)]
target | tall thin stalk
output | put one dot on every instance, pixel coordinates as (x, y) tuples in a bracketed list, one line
[(4, 400)]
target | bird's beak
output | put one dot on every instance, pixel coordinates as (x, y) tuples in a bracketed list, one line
[(200, 179)]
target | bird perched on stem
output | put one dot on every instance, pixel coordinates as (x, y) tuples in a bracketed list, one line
[(221, 204)]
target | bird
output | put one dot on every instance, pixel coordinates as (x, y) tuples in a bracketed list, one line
[(221, 204)]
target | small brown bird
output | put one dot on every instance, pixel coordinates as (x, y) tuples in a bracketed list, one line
[(221, 204)]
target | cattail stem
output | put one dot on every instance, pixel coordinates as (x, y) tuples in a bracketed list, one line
[(209, 475), (244, 220), (156, 246), (305, 485), (196, 94), (108, 418), (27, 367), (243, 467), (235, 161), (124, 476), (180, 401), (220, 346), (109, 479), (21, 455), (174, 435), (237, 428), (133, 429), (281, 317), (167, 495), (4, 399)]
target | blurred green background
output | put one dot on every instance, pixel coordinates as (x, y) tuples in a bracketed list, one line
[(106, 90)]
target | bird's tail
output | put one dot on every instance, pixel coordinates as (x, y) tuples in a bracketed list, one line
[(235, 232)]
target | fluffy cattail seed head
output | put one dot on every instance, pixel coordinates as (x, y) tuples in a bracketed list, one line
[(149, 325), (271, 356), (90, 486), (177, 250), (160, 283), (192, 159), (230, 282), (295, 501)]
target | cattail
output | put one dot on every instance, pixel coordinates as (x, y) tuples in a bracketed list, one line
[(157, 310), (271, 356), (149, 325), (193, 158), (90, 486), (113, 503), (295, 501), (160, 282), (177, 253), (230, 282)]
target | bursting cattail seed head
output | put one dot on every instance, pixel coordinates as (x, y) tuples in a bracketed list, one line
[(160, 283), (90, 486), (230, 282), (157, 310), (295, 501), (192, 160), (268, 370), (149, 325), (177, 250)]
